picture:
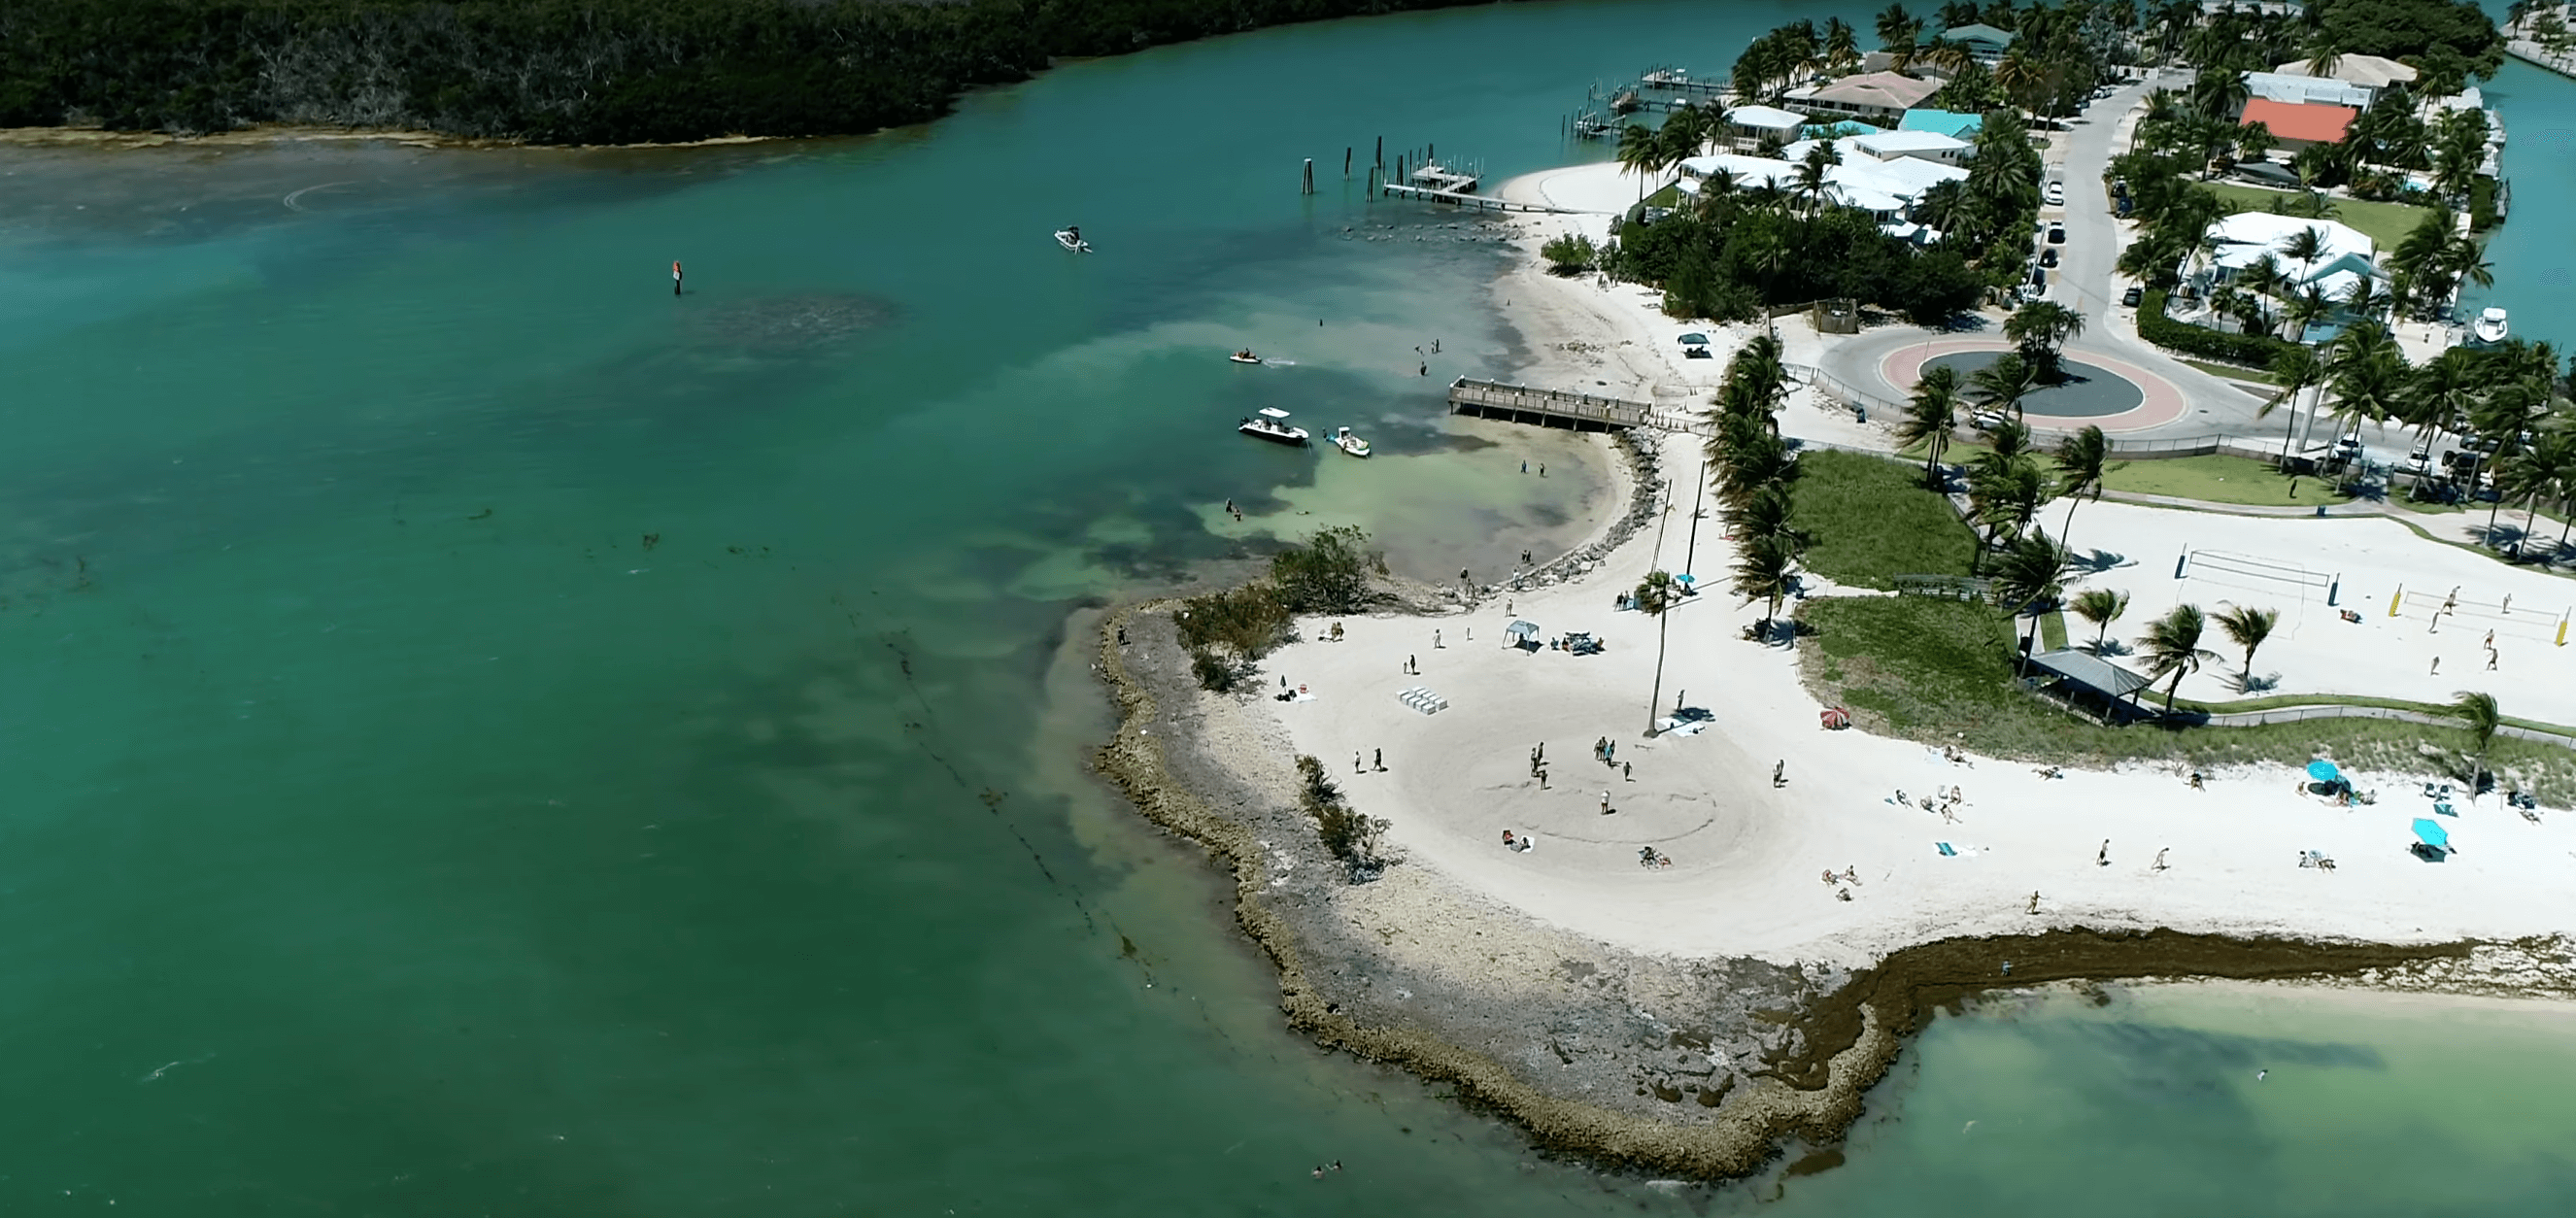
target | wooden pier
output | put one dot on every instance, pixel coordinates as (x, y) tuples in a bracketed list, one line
[(1557, 408), (1471, 202)]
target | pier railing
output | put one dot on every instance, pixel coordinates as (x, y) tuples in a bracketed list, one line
[(1560, 408)]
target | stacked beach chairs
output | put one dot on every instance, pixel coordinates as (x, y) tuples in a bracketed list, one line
[(1423, 700)]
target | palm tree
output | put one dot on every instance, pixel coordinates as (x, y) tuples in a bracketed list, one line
[(2306, 245), (1841, 49), (2253, 140), (1931, 414), (2003, 384), (2443, 392), (2171, 647), (1654, 597), (1813, 180), (2082, 458), (2478, 714), (2039, 329), (1638, 153), (2306, 309), (2100, 606), (1762, 572), (2029, 574), (2369, 374), (2323, 56), (2296, 368), (2263, 278), (1898, 34), (2006, 496), (2219, 94), (2543, 467), (2247, 628), (1679, 138)]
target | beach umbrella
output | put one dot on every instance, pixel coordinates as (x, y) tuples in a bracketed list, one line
[(2432, 834), (2323, 771), (1834, 718)]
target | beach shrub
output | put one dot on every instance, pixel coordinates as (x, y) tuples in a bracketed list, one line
[(1347, 835), (2251, 350), (1570, 254), (1328, 574), (2482, 204), (1251, 620)]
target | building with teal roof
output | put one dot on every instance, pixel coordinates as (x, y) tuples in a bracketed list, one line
[(1942, 122)]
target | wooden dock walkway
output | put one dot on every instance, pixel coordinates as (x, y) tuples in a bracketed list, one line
[(1557, 408), (1472, 202)]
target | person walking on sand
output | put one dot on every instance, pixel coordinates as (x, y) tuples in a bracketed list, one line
[(1355, 761), (2160, 857), (1436, 644), (1605, 803), (1628, 770), (675, 277), (1377, 757), (2436, 670), (1780, 772), (2034, 900), (2104, 858)]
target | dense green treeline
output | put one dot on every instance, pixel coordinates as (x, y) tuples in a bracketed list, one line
[(568, 71)]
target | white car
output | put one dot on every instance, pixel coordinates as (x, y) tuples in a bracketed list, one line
[(2054, 194)]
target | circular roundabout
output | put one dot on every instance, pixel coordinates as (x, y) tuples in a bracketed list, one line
[(2098, 391)]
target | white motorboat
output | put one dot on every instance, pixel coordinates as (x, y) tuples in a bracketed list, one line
[(1070, 237), (1245, 356), (2490, 327), (1272, 424), (1350, 442)]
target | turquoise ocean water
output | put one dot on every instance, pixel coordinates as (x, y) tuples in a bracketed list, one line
[(487, 737)]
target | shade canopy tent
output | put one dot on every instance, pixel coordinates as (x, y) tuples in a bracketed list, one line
[(2323, 771), (1521, 634), (2082, 678), (2431, 833)]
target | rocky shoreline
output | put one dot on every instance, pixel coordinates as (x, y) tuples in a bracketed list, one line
[(1702, 1068)]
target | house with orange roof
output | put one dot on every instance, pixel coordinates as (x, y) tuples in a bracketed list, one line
[(2297, 125)]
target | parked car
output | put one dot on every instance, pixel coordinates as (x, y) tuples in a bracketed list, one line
[(2057, 234), (2054, 194), (2048, 257), (2133, 296)]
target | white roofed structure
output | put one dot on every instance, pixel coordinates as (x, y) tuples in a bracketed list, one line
[(2370, 71)]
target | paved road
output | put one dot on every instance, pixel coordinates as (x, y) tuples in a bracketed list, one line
[(2085, 281)]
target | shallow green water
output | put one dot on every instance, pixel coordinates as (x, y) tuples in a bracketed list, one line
[(487, 737)]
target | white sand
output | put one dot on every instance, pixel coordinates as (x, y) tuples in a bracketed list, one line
[(1749, 856)]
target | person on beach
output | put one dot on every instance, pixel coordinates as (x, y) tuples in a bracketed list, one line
[(2160, 857), (1542, 778), (2104, 858), (2195, 781), (2492, 657), (1524, 465), (1780, 772), (1355, 761), (1628, 770), (675, 277), (1508, 840), (1377, 757), (1605, 803), (1436, 644), (2034, 901)]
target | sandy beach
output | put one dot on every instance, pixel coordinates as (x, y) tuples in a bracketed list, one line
[(1617, 978)]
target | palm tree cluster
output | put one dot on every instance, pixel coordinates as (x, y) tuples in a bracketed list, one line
[(1781, 60), (1751, 470)]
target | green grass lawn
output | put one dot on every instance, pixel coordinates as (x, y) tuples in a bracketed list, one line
[(2385, 223), (1869, 520), (1934, 670), (2213, 478)]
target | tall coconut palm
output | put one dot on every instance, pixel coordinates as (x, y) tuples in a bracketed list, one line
[(2296, 369), (2100, 606), (2082, 459), (2171, 648), (2369, 375), (2479, 716), (2305, 247), (1762, 571), (1814, 174), (2543, 468), (2441, 394), (1639, 153), (2306, 309), (1931, 415), (2028, 575), (2006, 496), (1656, 597), (2247, 628), (1841, 49)]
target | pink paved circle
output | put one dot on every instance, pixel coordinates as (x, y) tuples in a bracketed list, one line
[(2162, 403)]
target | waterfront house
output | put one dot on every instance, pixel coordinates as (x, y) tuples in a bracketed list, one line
[(2345, 257), (1748, 126), (1886, 189), (2369, 71), (1985, 43), (1878, 97), (2297, 125), (1920, 145), (2292, 89)]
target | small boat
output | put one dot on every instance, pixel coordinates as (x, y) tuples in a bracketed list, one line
[(2490, 327), (1272, 424), (1245, 356), (1070, 237), (1350, 442)]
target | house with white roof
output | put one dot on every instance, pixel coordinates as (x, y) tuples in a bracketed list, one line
[(1920, 145), (2300, 90), (1885, 189), (2369, 71), (1985, 43), (2345, 258), (1748, 126)]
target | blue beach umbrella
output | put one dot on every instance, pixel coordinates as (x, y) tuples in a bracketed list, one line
[(2432, 834), (2323, 771)]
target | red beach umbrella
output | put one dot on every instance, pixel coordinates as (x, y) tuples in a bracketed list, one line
[(1834, 718)]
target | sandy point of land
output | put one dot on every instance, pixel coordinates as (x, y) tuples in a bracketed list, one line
[(1749, 857)]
